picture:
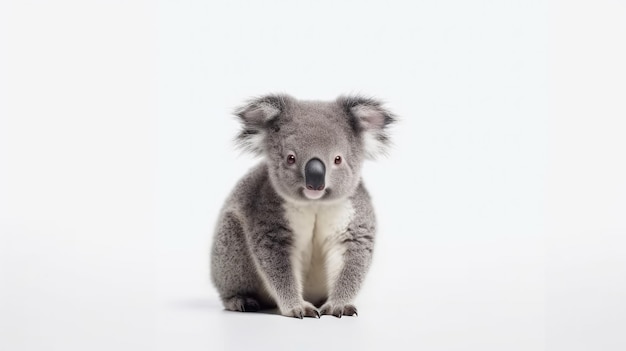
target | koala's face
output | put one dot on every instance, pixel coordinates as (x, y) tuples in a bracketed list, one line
[(314, 150)]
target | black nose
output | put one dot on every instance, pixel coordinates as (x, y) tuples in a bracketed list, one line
[(314, 174)]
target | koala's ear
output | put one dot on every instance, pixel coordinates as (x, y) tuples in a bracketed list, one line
[(256, 115), (370, 120)]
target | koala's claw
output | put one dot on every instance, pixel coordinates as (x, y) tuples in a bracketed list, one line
[(338, 310), (304, 310), (350, 310), (242, 304)]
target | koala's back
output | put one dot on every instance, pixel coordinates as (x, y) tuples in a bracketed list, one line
[(233, 271)]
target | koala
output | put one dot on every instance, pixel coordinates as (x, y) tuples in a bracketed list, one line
[(298, 230)]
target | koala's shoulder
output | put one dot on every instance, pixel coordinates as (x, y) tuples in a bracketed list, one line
[(254, 192), (361, 200)]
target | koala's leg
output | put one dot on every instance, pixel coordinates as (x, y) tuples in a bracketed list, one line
[(232, 268), (358, 242), (271, 248)]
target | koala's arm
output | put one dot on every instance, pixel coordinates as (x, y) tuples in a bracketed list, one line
[(358, 241), (270, 247), (270, 241)]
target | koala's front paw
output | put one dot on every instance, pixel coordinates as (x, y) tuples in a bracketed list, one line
[(301, 310), (338, 309)]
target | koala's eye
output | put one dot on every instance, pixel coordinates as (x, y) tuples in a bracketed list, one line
[(338, 160), (291, 159)]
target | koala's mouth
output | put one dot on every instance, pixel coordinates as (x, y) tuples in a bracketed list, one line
[(313, 194)]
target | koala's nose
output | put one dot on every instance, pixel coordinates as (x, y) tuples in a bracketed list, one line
[(314, 174)]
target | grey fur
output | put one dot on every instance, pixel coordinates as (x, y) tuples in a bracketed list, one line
[(259, 257)]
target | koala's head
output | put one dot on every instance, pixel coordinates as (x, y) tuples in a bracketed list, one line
[(314, 150)]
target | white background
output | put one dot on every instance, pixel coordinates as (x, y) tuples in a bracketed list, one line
[(502, 206)]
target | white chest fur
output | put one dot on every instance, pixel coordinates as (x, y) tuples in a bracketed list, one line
[(317, 257)]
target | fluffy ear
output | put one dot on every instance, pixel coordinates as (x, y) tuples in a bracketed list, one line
[(369, 119), (256, 115)]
